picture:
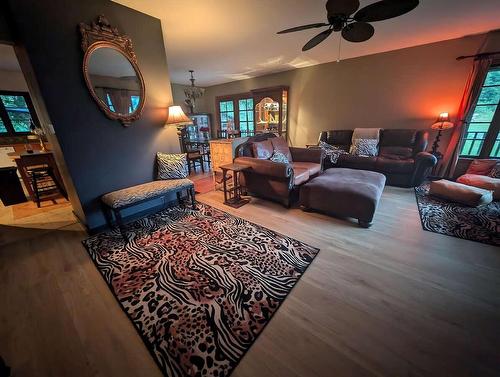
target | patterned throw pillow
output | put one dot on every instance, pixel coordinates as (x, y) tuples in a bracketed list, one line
[(171, 166), (364, 147), (331, 151), (279, 157), (495, 172)]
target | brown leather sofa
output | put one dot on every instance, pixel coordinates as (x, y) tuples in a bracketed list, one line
[(276, 181), (402, 157)]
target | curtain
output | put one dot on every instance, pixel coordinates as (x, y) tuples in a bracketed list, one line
[(469, 98)]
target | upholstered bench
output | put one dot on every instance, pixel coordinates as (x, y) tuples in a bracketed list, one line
[(344, 192), (116, 201)]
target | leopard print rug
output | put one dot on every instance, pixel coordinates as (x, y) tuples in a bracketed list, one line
[(200, 285), (481, 224)]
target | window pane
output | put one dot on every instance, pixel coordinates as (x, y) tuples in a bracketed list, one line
[(489, 96), (223, 117), (484, 113), (250, 115), (495, 151), (243, 116), (478, 127), (222, 106), (134, 101), (242, 104), (18, 112), (243, 126), (476, 147), (229, 106), (250, 104), (493, 78), (3, 129)]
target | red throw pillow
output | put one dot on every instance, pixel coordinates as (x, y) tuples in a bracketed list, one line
[(262, 149), (280, 145), (481, 167)]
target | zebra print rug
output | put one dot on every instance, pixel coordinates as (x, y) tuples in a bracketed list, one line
[(480, 224), (199, 286)]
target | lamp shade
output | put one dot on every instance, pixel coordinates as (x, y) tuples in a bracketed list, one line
[(442, 122), (177, 117)]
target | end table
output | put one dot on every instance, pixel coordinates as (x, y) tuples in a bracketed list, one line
[(232, 196)]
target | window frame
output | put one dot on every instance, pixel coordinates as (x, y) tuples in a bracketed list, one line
[(235, 98), (494, 128), (5, 116)]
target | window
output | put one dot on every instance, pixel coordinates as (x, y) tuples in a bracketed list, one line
[(482, 135), (16, 113), (245, 107), (237, 109), (226, 111)]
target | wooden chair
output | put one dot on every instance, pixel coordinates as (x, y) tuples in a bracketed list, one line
[(194, 155), (42, 178)]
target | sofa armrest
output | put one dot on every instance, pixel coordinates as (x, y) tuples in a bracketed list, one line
[(426, 159), (307, 154), (266, 167)]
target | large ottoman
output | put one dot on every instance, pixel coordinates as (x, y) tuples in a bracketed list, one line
[(345, 193)]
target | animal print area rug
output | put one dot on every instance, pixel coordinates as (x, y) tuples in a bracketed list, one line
[(200, 285), (480, 224)]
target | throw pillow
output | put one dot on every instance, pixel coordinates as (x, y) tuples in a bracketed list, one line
[(495, 172), (279, 157), (332, 151), (263, 149), (364, 147), (171, 166), (481, 167), (280, 145)]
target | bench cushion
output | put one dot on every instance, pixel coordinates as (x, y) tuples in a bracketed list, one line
[(460, 193), (130, 195)]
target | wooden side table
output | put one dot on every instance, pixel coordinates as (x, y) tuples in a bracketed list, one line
[(232, 196)]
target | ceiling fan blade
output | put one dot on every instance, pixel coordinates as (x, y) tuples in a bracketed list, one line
[(385, 9), (303, 27), (358, 32), (317, 39), (344, 7)]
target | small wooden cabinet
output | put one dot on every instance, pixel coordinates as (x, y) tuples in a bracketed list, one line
[(222, 152)]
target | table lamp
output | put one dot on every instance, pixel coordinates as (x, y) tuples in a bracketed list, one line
[(441, 123), (176, 117)]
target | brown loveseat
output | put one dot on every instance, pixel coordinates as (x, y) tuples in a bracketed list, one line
[(402, 157), (272, 180)]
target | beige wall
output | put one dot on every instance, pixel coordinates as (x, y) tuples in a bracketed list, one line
[(406, 88), (13, 80)]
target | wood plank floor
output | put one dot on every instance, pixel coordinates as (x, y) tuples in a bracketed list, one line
[(392, 300)]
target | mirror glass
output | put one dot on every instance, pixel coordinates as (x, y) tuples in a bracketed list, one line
[(267, 115), (114, 80)]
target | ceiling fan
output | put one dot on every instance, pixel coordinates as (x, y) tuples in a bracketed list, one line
[(354, 28)]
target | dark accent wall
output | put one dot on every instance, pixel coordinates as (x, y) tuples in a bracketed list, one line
[(5, 34), (101, 154)]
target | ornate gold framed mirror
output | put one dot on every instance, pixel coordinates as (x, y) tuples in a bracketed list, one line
[(111, 71)]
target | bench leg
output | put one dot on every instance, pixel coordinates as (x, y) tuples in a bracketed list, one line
[(364, 224), (119, 222), (179, 199), (193, 200), (107, 215)]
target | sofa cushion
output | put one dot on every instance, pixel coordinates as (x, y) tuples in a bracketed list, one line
[(398, 138), (460, 193), (389, 165), (311, 167), (280, 145), (339, 138), (300, 176), (482, 181), (481, 166), (263, 149), (395, 152), (366, 133), (356, 162)]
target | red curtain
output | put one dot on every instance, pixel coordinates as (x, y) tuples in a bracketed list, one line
[(469, 98)]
